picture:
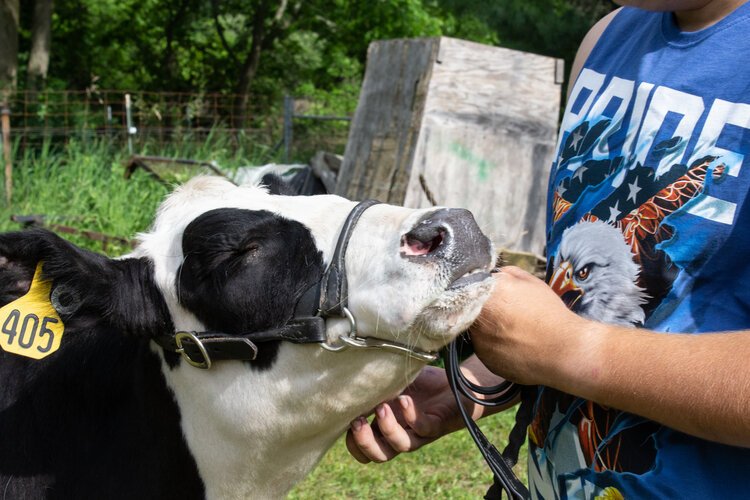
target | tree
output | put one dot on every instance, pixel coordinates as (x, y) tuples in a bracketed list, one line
[(267, 24), (41, 26), (9, 18), (261, 49)]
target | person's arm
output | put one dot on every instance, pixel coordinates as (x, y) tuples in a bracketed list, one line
[(424, 412), (586, 46), (698, 383)]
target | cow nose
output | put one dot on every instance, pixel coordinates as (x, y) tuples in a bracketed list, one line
[(438, 233), (427, 237), (451, 238)]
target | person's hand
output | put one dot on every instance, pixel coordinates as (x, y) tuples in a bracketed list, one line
[(425, 411), (524, 329)]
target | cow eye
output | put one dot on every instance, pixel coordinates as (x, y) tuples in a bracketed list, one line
[(248, 249), (583, 273)]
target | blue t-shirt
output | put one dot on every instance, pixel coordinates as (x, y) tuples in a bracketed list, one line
[(648, 225)]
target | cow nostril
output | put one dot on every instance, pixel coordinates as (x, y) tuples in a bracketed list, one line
[(413, 244)]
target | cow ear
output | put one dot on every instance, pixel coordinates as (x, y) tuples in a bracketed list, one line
[(276, 185), (303, 182), (87, 289)]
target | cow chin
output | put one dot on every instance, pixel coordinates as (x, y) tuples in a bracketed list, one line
[(452, 313)]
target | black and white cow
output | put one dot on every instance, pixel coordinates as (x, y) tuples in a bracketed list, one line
[(111, 414)]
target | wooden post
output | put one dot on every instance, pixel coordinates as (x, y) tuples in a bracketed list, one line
[(455, 123), (5, 119), (383, 136)]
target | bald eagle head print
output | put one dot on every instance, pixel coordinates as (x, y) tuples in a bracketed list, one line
[(609, 265), (596, 276)]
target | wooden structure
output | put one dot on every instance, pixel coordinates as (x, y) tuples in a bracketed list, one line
[(455, 123)]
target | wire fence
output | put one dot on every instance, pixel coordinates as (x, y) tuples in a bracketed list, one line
[(291, 130)]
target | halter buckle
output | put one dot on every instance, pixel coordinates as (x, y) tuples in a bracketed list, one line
[(180, 338)]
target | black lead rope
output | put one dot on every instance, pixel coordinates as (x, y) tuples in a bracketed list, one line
[(500, 464)]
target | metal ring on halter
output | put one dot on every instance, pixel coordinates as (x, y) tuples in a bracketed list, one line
[(344, 338), (370, 342), (352, 340)]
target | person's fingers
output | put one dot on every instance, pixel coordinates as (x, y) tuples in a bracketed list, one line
[(371, 447), (351, 441), (394, 434)]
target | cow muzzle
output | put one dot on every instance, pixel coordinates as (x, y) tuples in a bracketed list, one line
[(450, 238)]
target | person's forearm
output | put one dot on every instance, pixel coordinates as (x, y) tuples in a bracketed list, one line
[(698, 384)]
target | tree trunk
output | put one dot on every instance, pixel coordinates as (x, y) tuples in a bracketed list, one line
[(41, 26), (250, 65), (8, 47), (169, 59)]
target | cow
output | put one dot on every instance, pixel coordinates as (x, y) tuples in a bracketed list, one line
[(183, 370)]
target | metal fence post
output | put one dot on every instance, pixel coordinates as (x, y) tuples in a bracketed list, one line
[(129, 123), (6, 153), (288, 118)]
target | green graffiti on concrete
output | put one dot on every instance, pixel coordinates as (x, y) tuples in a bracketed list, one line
[(483, 166)]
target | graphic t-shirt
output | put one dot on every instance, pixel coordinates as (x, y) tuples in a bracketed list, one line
[(648, 226)]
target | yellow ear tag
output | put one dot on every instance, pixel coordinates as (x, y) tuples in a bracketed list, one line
[(30, 326)]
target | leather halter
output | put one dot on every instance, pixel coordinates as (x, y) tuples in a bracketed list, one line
[(325, 299)]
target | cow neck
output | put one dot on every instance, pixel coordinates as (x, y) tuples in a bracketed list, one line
[(325, 299)]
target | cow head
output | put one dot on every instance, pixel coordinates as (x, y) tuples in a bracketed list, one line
[(237, 259)]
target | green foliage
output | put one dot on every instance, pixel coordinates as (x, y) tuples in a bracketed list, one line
[(82, 187), (194, 45), (550, 27)]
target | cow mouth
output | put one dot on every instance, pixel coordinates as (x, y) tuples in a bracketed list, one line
[(470, 278), (455, 309)]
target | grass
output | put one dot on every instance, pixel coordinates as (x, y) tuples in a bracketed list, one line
[(451, 467), (83, 185)]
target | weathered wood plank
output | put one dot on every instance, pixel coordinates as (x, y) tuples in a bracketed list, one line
[(378, 156)]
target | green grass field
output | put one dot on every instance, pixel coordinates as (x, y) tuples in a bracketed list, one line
[(83, 186), (451, 467)]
